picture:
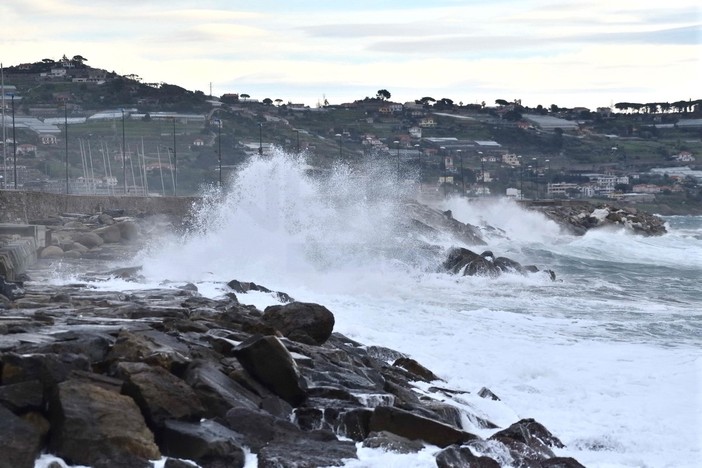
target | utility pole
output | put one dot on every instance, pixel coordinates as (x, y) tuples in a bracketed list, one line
[(175, 162), (220, 153), (65, 124), (124, 157), (260, 139), (14, 142), (4, 131)]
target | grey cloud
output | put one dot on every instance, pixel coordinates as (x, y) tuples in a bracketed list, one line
[(375, 30)]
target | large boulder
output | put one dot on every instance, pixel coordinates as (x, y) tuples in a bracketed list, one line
[(110, 234), (269, 362), (217, 391), (100, 428), (456, 456), (415, 427), (208, 443), (20, 442), (160, 394), (301, 321), (88, 239)]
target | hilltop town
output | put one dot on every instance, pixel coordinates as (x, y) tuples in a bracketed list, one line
[(71, 128)]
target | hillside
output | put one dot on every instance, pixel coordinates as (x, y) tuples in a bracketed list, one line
[(172, 138)]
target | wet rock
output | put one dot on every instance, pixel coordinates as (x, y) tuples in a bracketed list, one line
[(110, 234), (456, 456), (561, 462), (414, 427), (300, 321), (416, 369), (532, 433), (392, 443), (11, 290), (268, 361), (49, 369), (97, 427), (217, 392), (208, 443), (51, 251), (487, 393), (159, 394), (128, 230), (23, 397), (88, 239), (307, 449), (19, 441)]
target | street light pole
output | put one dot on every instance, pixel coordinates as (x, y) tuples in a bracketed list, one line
[(14, 143), (419, 165), (220, 153), (482, 173), (536, 175), (397, 143), (260, 138), (65, 122), (124, 157), (463, 178), (175, 162)]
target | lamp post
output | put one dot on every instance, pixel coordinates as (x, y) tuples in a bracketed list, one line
[(14, 144), (443, 150), (260, 138), (124, 158), (219, 142), (419, 165), (340, 150), (175, 162), (482, 173), (463, 179), (65, 124), (397, 143), (548, 175), (521, 178), (536, 176)]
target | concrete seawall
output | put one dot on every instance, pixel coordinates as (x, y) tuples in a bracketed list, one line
[(23, 207)]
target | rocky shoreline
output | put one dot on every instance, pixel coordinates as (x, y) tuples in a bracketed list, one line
[(113, 379), (119, 379)]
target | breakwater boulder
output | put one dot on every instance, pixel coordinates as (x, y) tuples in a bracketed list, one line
[(462, 261), (118, 379), (578, 218)]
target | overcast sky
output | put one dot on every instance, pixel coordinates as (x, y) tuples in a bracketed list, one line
[(566, 52)]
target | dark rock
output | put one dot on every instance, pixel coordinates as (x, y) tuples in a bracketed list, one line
[(469, 263), (97, 427), (414, 427), (532, 433), (307, 450), (110, 234), (300, 321), (146, 347), (244, 287), (50, 369), (416, 369), (522, 454), (217, 392), (88, 239), (392, 443), (176, 463), (457, 456), (159, 394), (11, 290), (268, 361), (561, 462), (259, 428), (20, 442), (208, 443), (355, 424), (22, 397), (487, 393)]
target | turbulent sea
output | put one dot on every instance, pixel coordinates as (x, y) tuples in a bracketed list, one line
[(608, 357)]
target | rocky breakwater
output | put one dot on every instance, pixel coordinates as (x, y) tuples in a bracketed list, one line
[(110, 379), (578, 218)]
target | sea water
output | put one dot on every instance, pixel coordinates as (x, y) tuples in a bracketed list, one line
[(607, 357)]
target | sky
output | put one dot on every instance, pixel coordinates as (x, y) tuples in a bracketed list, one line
[(571, 53)]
